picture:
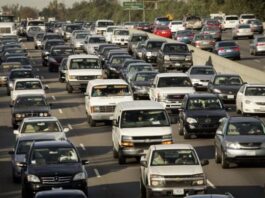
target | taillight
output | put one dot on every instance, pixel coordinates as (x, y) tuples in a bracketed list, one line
[(221, 49), (197, 43), (260, 44), (236, 49)]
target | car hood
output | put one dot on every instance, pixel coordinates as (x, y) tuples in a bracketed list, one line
[(146, 131), (207, 113), (176, 170), (142, 83), (109, 100), (175, 90), (55, 169), (255, 98), (31, 109), (55, 135)]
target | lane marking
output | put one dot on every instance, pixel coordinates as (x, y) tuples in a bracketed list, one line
[(70, 126), (82, 146), (60, 111), (53, 97), (257, 61), (96, 172), (211, 184)]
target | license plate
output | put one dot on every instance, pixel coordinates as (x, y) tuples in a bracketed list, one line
[(229, 50), (250, 153), (230, 96), (177, 64), (178, 191), (59, 188)]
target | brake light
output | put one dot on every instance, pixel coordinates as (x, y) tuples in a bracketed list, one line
[(197, 43), (221, 49), (236, 49), (260, 44)]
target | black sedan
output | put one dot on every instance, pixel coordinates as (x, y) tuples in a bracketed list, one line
[(200, 114)]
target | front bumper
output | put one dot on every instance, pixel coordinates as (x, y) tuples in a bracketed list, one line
[(171, 65), (133, 151), (102, 116), (78, 84), (238, 155)]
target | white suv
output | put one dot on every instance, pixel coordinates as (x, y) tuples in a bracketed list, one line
[(120, 36), (230, 22), (101, 98)]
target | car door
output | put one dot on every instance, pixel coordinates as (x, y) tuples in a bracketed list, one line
[(240, 97)]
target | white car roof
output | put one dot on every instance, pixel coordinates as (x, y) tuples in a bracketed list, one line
[(139, 105), (171, 75), (39, 119), (35, 136), (75, 56), (27, 79), (106, 82), (255, 85), (171, 146)]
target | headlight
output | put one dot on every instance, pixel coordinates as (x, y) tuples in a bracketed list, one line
[(247, 101), (33, 178), (18, 115), (188, 58), (41, 114), (166, 58), (167, 139), (45, 114), (72, 77), (232, 145), (79, 176), (191, 120), (126, 141), (157, 180), (195, 80), (217, 91), (148, 53), (95, 109), (198, 182)]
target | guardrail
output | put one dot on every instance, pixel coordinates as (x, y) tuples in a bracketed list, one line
[(221, 64)]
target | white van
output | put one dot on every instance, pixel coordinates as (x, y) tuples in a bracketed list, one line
[(38, 23), (230, 22), (101, 98), (136, 126), (101, 26)]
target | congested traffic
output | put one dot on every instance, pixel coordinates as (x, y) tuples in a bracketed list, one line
[(84, 99)]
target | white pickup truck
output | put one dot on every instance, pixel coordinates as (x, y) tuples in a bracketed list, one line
[(170, 88), (80, 69), (120, 36)]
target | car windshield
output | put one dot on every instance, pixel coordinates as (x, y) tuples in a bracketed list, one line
[(204, 103), (245, 128), (202, 71), (231, 18), (228, 80), (30, 101), (138, 68), (255, 91), (23, 85), (110, 29), (139, 38), (246, 26), (248, 17), (144, 118), (36, 23), (72, 28), (173, 157), (105, 23), (23, 60), (21, 74), (34, 29), (85, 63), (81, 36), (213, 22), (174, 82), (121, 32), (176, 48), (154, 45), (62, 51), (110, 90), (204, 37), (145, 77), (118, 60), (40, 127), (184, 33), (97, 40), (53, 155)]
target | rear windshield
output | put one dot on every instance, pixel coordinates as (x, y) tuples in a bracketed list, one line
[(121, 32), (110, 90), (97, 40), (154, 45), (231, 18), (174, 82), (248, 16), (227, 44)]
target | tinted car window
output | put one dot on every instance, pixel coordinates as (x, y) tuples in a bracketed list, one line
[(174, 82), (204, 103), (85, 63), (228, 80), (246, 128), (110, 90), (255, 91)]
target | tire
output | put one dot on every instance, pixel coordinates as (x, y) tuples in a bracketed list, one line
[(148, 194), (142, 189), (115, 153), (217, 157), (69, 88), (180, 128), (224, 162), (92, 123), (186, 134), (121, 158)]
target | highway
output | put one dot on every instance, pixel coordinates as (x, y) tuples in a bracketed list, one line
[(106, 177)]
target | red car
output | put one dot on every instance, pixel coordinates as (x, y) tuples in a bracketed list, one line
[(213, 23), (163, 31)]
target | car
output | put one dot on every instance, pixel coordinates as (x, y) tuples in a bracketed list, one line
[(203, 41), (250, 99), (137, 50), (78, 40), (126, 63), (32, 31), (141, 83), (227, 49), (225, 86), (213, 23), (27, 86), (257, 45), (13, 52), (41, 125), (68, 29), (28, 105), (105, 51), (256, 25), (17, 74), (239, 139), (120, 36), (163, 31), (62, 70), (100, 26), (92, 42), (226, 195), (136, 126), (108, 33), (102, 96), (200, 76), (20, 152), (23, 60), (56, 55), (144, 26), (48, 44), (134, 39), (214, 31), (60, 194), (37, 40), (176, 25), (133, 68), (53, 164), (230, 22), (184, 36), (174, 170), (192, 22), (162, 20), (200, 114), (242, 30), (49, 36), (114, 52), (243, 18)]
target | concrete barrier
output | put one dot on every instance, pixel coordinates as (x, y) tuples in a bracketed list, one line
[(221, 64)]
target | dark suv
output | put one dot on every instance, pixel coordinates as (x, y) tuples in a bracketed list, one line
[(200, 114), (53, 165)]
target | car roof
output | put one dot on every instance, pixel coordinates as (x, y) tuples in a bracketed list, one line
[(35, 136), (27, 79), (202, 95), (255, 85), (139, 105), (38, 119), (236, 119), (61, 143), (106, 82), (59, 192), (172, 75), (82, 56), (171, 146)]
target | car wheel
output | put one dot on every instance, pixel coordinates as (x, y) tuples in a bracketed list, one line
[(91, 122), (224, 162), (216, 156), (143, 189), (180, 128), (148, 194), (121, 158), (115, 153), (69, 88), (25, 194), (185, 133)]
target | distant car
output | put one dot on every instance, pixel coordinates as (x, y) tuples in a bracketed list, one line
[(192, 22), (214, 23), (108, 33), (53, 164), (133, 68), (120, 36), (62, 70), (243, 18), (256, 25), (214, 31), (226, 195), (230, 21), (200, 75), (92, 42), (32, 31), (200, 114), (78, 40), (227, 49), (61, 194), (29, 106), (49, 36), (141, 83), (240, 139), (257, 45), (203, 41), (242, 30), (176, 26), (184, 36), (134, 39), (68, 29), (144, 26), (250, 99), (163, 31), (48, 44), (24, 60), (225, 86)]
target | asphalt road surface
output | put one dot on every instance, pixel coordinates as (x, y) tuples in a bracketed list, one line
[(106, 177)]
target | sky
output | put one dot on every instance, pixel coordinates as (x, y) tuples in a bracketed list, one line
[(36, 3)]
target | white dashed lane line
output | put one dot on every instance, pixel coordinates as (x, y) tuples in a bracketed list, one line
[(53, 97), (211, 184), (60, 111), (70, 126), (82, 146), (96, 172)]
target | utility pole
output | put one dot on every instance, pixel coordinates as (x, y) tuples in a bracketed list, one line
[(143, 12)]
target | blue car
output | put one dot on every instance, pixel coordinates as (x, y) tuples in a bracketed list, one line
[(227, 49)]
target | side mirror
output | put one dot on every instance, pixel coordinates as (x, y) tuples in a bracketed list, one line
[(66, 130), (85, 162), (11, 152), (16, 132), (143, 162), (46, 87), (204, 162), (219, 132)]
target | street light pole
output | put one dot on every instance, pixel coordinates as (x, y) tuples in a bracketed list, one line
[(143, 11)]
